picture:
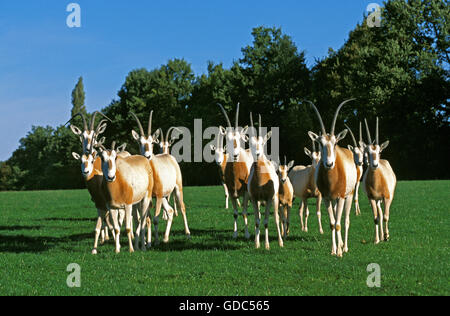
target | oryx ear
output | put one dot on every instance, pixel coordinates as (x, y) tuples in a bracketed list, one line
[(350, 147), (121, 148), (213, 148), (384, 146), (290, 164), (101, 141), (314, 137), (136, 136), (267, 137), (156, 136), (102, 129), (341, 135), (362, 144), (308, 152), (76, 156), (172, 140), (244, 135), (222, 130), (75, 130)]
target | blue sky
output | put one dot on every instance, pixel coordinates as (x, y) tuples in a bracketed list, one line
[(41, 58)]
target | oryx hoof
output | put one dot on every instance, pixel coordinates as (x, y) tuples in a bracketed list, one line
[(94, 251)]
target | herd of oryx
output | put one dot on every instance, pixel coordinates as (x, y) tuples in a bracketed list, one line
[(122, 186)]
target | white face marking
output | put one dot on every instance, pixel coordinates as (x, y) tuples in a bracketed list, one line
[(87, 165), (373, 152), (87, 138), (146, 144), (328, 150), (316, 158), (257, 146), (234, 141), (358, 156), (219, 155), (109, 164), (283, 173)]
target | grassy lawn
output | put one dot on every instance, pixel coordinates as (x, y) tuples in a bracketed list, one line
[(41, 233)]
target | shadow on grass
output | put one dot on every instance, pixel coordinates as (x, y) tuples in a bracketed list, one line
[(19, 227), (62, 219)]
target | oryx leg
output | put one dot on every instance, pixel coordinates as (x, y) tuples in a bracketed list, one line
[(288, 215), (347, 208), (156, 218), (300, 212), (380, 216), (339, 209), (169, 210), (277, 220), (182, 206), (142, 222), (129, 225), (373, 203), (98, 230), (115, 218), (257, 223), (329, 206), (305, 202), (245, 214), (235, 215), (319, 213), (226, 195), (357, 208), (387, 208), (266, 224)]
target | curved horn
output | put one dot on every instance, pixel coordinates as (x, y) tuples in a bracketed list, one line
[(139, 123), (353, 136), (368, 132), (93, 119), (170, 130), (162, 134), (285, 161), (337, 113), (113, 145), (226, 115), (237, 117), (251, 123), (324, 131), (99, 125), (82, 116), (259, 127), (313, 145), (150, 123), (377, 138), (360, 132)]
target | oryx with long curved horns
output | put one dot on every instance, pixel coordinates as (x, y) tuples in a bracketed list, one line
[(263, 185), (88, 137), (335, 179), (167, 178), (358, 158), (379, 183), (237, 169)]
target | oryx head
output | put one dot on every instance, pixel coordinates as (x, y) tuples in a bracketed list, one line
[(328, 142), (88, 137), (87, 162), (234, 136), (258, 142), (109, 157), (315, 155), (358, 151), (283, 170), (373, 149), (167, 142), (145, 141), (219, 149)]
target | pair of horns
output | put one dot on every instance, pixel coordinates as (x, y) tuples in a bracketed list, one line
[(227, 118), (141, 129), (92, 122), (353, 136), (333, 125), (168, 133), (377, 138), (260, 123)]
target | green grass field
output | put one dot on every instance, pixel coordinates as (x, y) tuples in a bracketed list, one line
[(42, 232)]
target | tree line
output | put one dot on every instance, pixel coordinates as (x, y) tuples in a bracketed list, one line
[(398, 72)]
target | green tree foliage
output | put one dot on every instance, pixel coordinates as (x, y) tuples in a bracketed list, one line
[(78, 106), (398, 71)]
